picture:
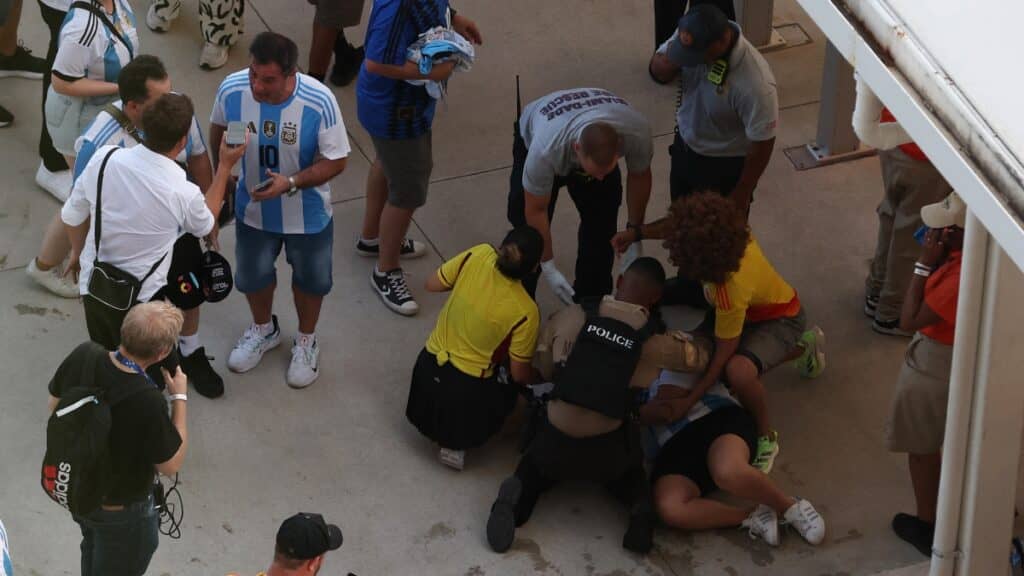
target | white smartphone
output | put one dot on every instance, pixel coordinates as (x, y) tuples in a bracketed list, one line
[(235, 134)]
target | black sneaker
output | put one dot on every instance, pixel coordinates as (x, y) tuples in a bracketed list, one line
[(346, 68), (501, 524), (890, 328), (394, 291), (22, 64), (870, 306), (204, 378), (410, 249), (917, 532), (5, 117), (639, 536)]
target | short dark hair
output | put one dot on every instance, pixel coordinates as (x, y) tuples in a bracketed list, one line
[(131, 81), (520, 252), (282, 559), (167, 121), (273, 48), (650, 269), (600, 142), (709, 236)]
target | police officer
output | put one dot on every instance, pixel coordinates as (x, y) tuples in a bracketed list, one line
[(727, 119), (584, 431), (574, 138)]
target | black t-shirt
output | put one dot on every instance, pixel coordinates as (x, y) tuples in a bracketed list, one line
[(141, 434)]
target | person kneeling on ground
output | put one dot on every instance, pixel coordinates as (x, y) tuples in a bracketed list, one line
[(917, 419), (708, 448), (594, 357), (457, 397), (759, 320)]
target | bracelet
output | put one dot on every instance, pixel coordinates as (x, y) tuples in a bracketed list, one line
[(182, 397), (922, 272), (923, 266)]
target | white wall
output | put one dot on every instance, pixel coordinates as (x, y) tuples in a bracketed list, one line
[(980, 45)]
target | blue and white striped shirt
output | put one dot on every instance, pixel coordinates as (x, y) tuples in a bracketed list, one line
[(289, 137)]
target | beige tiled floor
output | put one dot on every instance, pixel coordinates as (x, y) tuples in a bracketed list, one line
[(343, 447)]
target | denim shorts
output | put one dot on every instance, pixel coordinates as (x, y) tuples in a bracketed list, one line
[(310, 256)]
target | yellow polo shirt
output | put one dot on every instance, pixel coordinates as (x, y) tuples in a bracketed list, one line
[(754, 293), (487, 316)]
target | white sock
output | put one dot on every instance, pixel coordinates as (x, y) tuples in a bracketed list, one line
[(266, 329), (372, 242), (188, 344), (306, 339)]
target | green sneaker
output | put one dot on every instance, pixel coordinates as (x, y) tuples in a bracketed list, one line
[(767, 450), (812, 362)]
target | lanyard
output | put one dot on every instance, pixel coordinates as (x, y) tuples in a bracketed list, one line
[(131, 365)]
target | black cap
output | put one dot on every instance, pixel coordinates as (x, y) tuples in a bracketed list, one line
[(306, 536), (215, 277), (698, 29)]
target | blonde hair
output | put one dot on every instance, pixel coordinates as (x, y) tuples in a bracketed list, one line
[(151, 329)]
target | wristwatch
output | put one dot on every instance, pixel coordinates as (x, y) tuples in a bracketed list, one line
[(294, 188), (638, 229)]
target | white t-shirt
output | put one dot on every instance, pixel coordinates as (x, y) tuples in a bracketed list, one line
[(287, 138), (147, 201), (88, 49)]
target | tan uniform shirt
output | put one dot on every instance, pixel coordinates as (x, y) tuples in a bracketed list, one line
[(675, 350)]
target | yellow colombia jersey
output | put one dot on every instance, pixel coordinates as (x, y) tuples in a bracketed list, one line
[(487, 315), (754, 293)]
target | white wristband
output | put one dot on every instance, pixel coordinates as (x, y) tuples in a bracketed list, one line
[(182, 397)]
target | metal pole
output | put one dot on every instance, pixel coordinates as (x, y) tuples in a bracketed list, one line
[(835, 141), (755, 18), (961, 395), (993, 454)]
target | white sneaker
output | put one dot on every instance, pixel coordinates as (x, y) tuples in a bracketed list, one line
[(807, 521), (58, 184), (157, 23), (763, 523), (305, 365), (53, 280), (213, 56), (251, 347), (452, 458)]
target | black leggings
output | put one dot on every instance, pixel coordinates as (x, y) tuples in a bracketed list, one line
[(668, 12), (53, 160)]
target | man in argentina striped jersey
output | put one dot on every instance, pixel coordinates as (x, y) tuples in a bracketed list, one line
[(282, 198)]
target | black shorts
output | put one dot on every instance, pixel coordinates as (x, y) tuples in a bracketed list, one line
[(454, 409), (686, 453), (182, 287)]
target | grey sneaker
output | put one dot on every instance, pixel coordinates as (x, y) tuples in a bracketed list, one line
[(890, 328)]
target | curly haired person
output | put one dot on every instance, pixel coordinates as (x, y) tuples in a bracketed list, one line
[(759, 320)]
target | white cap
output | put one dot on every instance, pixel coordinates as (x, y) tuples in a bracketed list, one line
[(951, 211)]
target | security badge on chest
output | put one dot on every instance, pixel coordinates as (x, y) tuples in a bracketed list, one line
[(717, 73)]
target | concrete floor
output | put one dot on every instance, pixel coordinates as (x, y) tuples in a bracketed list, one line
[(343, 447)]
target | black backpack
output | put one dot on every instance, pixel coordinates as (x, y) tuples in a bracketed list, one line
[(597, 372), (76, 471)]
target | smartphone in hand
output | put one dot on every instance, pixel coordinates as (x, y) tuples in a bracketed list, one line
[(235, 135)]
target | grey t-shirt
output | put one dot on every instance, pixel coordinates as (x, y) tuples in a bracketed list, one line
[(551, 124), (724, 122)]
